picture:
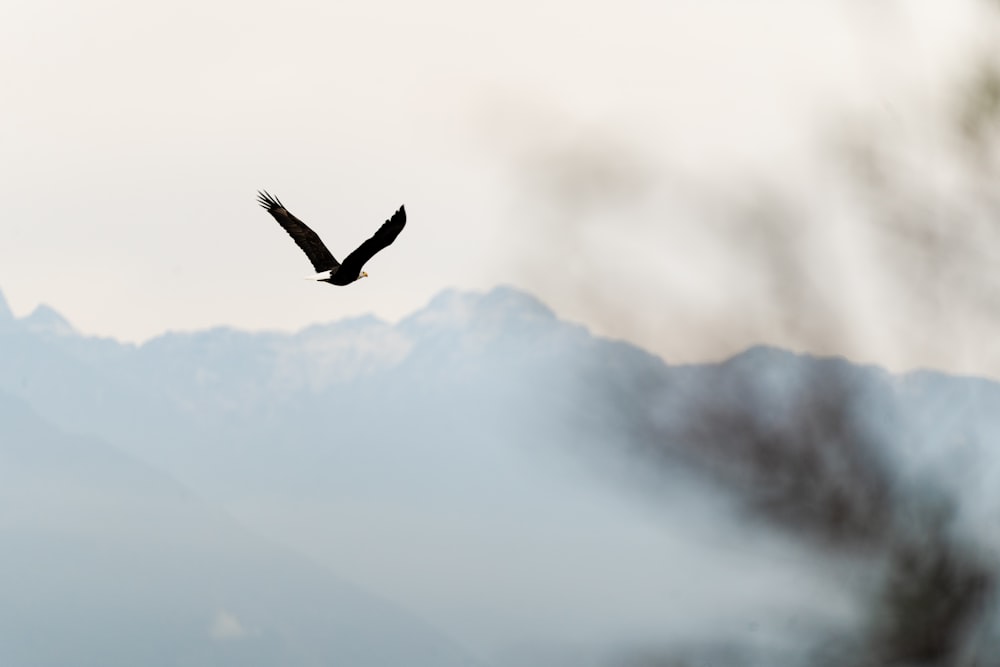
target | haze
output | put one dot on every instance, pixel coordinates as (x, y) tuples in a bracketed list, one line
[(249, 467), (135, 137)]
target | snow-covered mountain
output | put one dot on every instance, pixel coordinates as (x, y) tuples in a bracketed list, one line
[(514, 479)]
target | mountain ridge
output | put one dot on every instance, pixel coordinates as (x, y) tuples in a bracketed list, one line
[(355, 437)]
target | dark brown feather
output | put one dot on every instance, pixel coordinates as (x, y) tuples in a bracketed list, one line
[(305, 238), (381, 239)]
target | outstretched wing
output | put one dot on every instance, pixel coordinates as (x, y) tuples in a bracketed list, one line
[(304, 237), (385, 235)]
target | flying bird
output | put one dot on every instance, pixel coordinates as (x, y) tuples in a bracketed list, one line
[(328, 269)]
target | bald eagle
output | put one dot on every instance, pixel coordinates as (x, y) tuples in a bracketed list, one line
[(328, 269)]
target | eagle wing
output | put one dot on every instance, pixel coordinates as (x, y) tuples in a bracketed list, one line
[(305, 238), (380, 240)]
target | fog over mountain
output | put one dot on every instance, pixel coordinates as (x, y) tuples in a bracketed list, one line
[(527, 492), (107, 561)]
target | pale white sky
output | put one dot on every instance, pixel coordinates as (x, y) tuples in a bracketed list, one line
[(135, 135)]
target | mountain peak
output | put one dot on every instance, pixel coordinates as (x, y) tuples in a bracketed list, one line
[(45, 320), (452, 307), (511, 299)]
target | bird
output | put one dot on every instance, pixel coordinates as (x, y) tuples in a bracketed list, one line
[(328, 269)]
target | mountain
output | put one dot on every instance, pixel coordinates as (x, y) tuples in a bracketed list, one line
[(107, 561), (47, 322), (513, 478), (189, 402)]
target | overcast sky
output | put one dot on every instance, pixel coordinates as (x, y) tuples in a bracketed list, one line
[(135, 135)]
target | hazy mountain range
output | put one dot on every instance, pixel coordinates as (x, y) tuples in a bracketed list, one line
[(504, 476)]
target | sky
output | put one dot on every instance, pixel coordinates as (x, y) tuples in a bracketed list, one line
[(526, 140)]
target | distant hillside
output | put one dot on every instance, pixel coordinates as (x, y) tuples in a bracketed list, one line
[(423, 456), (191, 402), (108, 562)]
